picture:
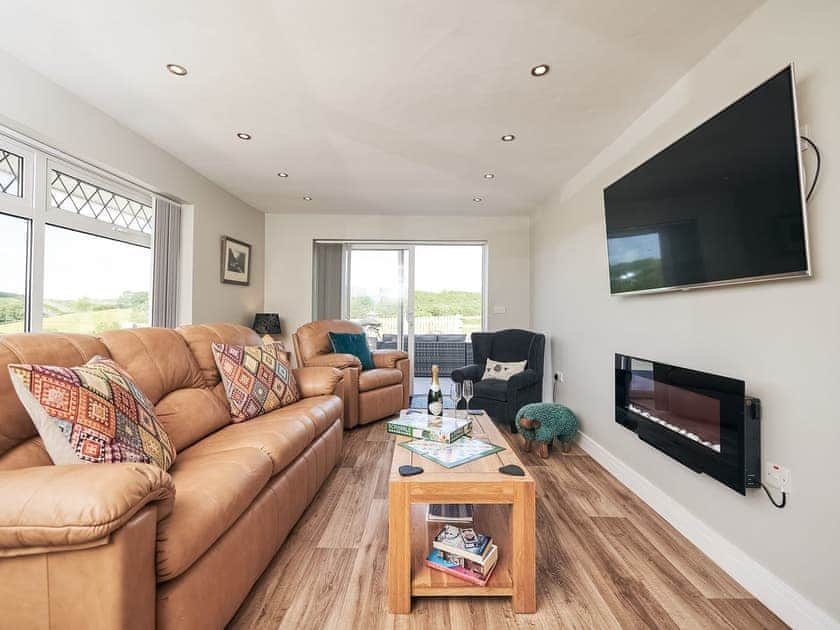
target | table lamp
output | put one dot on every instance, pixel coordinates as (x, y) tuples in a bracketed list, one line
[(267, 325)]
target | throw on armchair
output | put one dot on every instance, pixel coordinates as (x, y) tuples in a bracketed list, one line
[(502, 399), (369, 395)]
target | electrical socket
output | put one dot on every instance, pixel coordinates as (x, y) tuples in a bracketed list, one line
[(778, 476), (560, 377)]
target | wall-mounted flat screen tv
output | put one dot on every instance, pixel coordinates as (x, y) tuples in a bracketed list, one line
[(724, 204)]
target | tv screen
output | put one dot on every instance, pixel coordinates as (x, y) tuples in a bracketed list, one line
[(723, 204)]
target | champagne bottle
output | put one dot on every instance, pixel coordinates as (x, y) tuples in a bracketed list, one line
[(434, 407)]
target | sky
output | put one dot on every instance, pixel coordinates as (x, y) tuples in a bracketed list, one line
[(438, 268), (75, 264)]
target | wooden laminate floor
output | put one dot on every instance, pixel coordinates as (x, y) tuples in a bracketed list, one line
[(604, 559)]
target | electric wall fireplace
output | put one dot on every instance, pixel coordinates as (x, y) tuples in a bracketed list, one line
[(702, 420)]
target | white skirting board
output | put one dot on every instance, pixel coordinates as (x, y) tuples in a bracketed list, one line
[(791, 606)]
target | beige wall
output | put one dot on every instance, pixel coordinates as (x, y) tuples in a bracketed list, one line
[(288, 245), (37, 107), (783, 338)]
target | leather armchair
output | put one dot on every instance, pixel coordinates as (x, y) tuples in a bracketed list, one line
[(502, 399), (369, 395)]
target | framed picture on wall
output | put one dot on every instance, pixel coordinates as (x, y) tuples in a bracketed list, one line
[(236, 262)]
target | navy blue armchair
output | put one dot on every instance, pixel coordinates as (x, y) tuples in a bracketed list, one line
[(502, 399)]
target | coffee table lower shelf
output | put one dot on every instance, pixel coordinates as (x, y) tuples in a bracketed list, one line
[(427, 582)]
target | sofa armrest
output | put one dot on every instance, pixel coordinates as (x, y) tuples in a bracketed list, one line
[(522, 380), (317, 381), (334, 359), (76, 504), (471, 372), (387, 358)]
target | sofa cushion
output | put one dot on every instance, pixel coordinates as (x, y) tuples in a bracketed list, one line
[(211, 492), (20, 446), (200, 337), (164, 367), (158, 359), (93, 413), (257, 379), (191, 414), (282, 434), (355, 344), (380, 377), (491, 388), (320, 411), (502, 371)]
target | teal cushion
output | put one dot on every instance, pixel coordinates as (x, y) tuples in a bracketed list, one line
[(355, 344)]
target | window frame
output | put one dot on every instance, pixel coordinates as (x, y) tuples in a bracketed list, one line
[(36, 206), (12, 204), (27, 286)]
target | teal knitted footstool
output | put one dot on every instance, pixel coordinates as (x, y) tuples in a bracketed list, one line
[(542, 422)]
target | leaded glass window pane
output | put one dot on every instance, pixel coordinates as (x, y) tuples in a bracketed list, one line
[(11, 173), (75, 195)]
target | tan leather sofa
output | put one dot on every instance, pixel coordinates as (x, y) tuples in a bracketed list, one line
[(369, 395), (131, 546)]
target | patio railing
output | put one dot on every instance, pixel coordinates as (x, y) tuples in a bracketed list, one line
[(449, 352)]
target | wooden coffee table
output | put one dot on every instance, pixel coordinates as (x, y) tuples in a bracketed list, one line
[(505, 509)]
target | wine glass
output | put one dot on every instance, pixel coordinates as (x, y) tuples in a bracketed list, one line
[(468, 393), (455, 396)]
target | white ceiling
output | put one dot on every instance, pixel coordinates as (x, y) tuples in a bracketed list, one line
[(373, 106)]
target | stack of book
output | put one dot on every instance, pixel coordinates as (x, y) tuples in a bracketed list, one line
[(463, 553), (449, 513), (414, 424)]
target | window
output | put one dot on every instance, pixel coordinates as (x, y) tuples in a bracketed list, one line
[(11, 173), (86, 236), (14, 245), (86, 199), (93, 283)]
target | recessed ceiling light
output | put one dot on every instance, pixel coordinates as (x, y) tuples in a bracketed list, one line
[(282, 174), (176, 69), (489, 175), (307, 198), (478, 199), (540, 70), (243, 136), (508, 137)]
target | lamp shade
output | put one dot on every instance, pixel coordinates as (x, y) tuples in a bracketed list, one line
[(267, 324)]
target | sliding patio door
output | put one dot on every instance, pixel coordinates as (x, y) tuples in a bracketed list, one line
[(423, 298), (378, 293)]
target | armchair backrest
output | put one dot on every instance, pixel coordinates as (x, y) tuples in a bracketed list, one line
[(312, 339), (510, 345)]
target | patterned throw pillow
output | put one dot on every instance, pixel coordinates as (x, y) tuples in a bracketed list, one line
[(93, 413), (257, 379), (502, 371)]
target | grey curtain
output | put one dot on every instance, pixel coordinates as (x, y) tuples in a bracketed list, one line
[(327, 303), (166, 250)]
